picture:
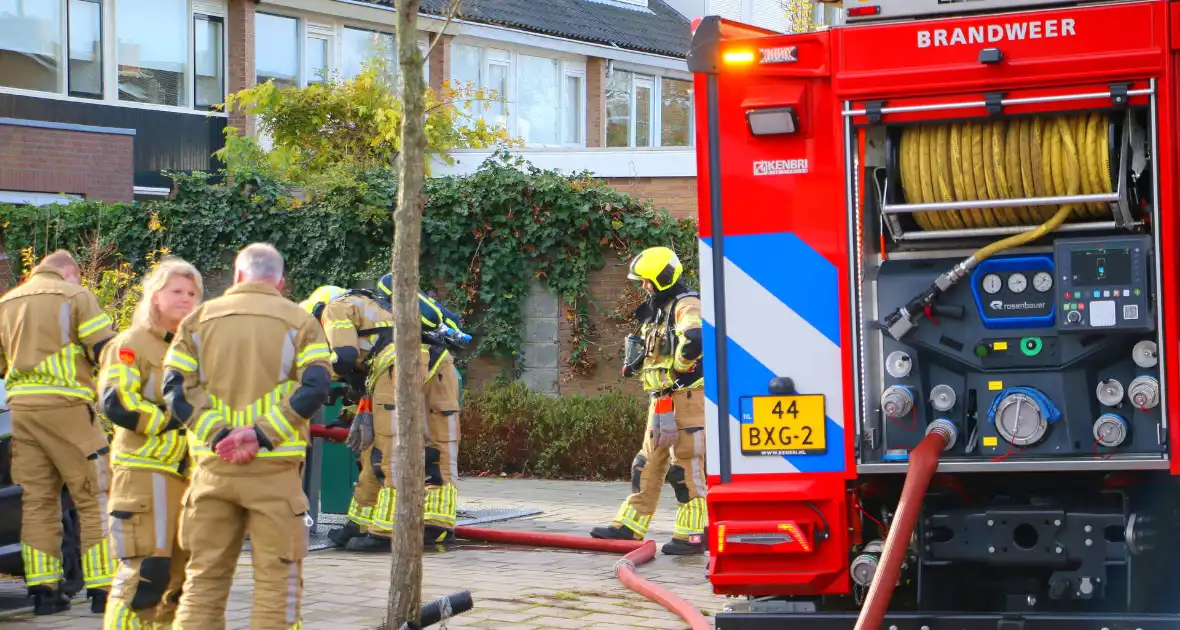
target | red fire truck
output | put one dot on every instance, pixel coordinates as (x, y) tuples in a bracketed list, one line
[(939, 316)]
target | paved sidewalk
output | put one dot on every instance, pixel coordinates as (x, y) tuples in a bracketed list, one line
[(521, 588)]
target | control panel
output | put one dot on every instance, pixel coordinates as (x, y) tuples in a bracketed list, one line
[(1039, 356), (1104, 284), (1014, 292)]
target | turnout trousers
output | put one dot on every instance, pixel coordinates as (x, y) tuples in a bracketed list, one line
[(52, 447), (145, 518), (442, 448), (366, 490), (682, 465), (219, 511)]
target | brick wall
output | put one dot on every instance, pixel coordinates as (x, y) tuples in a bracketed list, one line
[(439, 62), (240, 22), (6, 278), (595, 102), (677, 194), (93, 164)]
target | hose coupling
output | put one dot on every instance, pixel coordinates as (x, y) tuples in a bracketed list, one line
[(946, 429)]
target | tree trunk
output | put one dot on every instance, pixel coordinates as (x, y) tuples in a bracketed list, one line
[(405, 579)]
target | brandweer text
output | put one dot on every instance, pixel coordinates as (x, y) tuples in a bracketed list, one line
[(992, 33)]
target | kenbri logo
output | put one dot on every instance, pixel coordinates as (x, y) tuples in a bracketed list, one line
[(780, 167), (992, 33)]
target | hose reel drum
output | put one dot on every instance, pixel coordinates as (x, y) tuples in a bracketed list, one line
[(984, 161)]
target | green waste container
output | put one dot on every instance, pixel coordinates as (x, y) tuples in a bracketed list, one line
[(338, 471)]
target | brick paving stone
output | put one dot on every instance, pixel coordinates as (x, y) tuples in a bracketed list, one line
[(512, 586)]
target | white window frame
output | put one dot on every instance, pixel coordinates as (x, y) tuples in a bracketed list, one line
[(506, 55), (110, 61), (321, 32), (21, 198), (571, 71), (654, 78)]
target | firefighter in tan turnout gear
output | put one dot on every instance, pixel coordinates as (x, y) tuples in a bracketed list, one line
[(245, 373), (440, 331), (360, 333), (149, 471), (665, 354), (51, 334), (354, 322)]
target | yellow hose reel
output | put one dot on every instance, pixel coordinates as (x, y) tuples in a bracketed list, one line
[(1043, 156)]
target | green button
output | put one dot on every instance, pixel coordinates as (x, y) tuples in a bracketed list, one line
[(1031, 346), (1136, 291), (981, 351)]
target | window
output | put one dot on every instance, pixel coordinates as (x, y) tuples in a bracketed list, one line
[(360, 45), (675, 113), (639, 117), (152, 53), (85, 37), (317, 59), (618, 109), (31, 44), (537, 100), (276, 50), (162, 52), (545, 97), (572, 117), (207, 52)]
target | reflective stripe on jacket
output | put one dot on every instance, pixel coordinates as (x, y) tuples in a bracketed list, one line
[(51, 333), (248, 358), (131, 396)]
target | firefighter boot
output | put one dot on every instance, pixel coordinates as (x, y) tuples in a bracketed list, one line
[(98, 600), (341, 535), (692, 546), (435, 535), (48, 601), (368, 543), (612, 532)]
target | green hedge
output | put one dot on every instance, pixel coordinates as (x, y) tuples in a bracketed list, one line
[(506, 428), (484, 236)]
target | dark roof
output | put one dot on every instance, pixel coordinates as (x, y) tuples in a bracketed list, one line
[(660, 29)]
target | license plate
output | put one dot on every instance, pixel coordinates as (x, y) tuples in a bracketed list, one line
[(784, 425)]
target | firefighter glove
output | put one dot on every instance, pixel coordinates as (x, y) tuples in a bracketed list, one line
[(360, 435), (662, 430)]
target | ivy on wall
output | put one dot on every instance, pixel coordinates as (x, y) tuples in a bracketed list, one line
[(484, 236)]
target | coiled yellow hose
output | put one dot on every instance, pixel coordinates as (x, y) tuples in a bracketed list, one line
[(991, 160)]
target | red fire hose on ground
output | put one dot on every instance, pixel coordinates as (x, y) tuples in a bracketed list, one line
[(637, 552), (923, 464)]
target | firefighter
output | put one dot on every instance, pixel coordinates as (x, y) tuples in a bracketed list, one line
[(245, 373), (149, 471), (52, 332), (665, 354), (353, 323), (319, 298), (442, 420)]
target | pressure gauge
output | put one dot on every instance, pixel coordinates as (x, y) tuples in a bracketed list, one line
[(1043, 281), (1017, 283), (992, 283), (1019, 420)]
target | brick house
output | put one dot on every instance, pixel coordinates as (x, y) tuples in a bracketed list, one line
[(98, 96)]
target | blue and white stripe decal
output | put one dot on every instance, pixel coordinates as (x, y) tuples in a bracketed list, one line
[(783, 319)]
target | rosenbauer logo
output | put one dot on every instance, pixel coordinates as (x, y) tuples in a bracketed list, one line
[(992, 33), (780, 167)]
